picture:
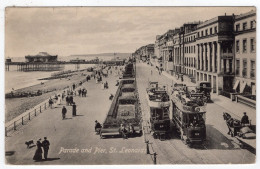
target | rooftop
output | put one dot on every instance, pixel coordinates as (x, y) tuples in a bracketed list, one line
[(244, 15)]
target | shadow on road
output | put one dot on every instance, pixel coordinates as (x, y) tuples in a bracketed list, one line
[(9, 153), (51, 159), (32, 146), (48, 159), (216, 140)]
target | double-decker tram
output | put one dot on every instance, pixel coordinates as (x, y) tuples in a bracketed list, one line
[(189, 114), (159, 104)]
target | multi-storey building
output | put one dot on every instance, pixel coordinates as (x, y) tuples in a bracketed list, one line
[(145, 53), (245, 53), (188, 35), (156, 46), (176, 52), (165, 50), (215, 55), (221, 50)]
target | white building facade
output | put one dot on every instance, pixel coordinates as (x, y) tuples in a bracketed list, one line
[(245, 53)]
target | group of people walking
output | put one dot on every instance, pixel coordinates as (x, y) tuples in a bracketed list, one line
[(45, 144), (57, 99), (82, 92)]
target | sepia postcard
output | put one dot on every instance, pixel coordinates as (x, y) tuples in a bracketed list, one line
[(130, 85)]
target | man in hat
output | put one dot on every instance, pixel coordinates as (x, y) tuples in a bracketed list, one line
[(45, 145), (244, 120)]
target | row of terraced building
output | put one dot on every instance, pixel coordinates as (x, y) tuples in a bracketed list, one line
[(221, 50)]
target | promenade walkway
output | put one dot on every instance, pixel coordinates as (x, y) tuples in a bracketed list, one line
[(73, 141)]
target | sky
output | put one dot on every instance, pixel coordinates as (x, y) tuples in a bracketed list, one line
[(67, 31)]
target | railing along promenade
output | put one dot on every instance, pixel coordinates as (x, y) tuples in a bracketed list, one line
[(23, 119)]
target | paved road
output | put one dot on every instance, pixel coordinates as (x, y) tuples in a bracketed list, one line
[(77, 133), (220, 148)]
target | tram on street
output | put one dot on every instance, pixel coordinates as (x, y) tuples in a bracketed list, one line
[(188, 115), (159, 104)]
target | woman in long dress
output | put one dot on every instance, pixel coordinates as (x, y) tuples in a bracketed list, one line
[(38, 153), (59, 100)]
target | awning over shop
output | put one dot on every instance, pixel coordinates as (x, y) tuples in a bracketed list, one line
[(243, 87), (236, 85)]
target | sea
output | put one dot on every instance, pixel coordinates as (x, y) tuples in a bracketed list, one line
[(16, 79)]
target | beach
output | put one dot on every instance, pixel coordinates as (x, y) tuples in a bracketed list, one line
[(16, 106)]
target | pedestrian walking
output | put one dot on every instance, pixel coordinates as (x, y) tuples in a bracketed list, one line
[(73, 86), (38, 153), (63, 95), (106, 85), (71, 100), (80, 92), (45, 145), (67, 100), (50, 102), (59, 100), (74, 109), (64, 111)]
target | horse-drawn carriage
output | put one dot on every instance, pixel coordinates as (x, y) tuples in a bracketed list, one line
[(244, 133)]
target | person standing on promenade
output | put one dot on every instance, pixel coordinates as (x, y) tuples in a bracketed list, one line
[(80, 92), (59, 100), (63, 95), (74, 109), (73, 86), (38, 153), (64, 111), (70, 100), (67, 100), (50, 102), (45, 145)]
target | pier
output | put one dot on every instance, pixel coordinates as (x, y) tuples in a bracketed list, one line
[(53, 66)]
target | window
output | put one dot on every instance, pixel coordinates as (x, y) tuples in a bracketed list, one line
[(252, 24), (206, 32), (210, 31), (237, 27), (244, 26), (198, 34), (237, 46), (252, 44), (201, 33), (216, 29), (237, 67), (244, 72), (252, 72), (244, 46), (194, 49)]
